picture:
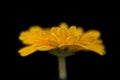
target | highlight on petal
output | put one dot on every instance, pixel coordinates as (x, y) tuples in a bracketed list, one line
[(27, 50)]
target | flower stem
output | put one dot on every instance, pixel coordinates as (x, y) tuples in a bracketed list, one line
[(62, 68)]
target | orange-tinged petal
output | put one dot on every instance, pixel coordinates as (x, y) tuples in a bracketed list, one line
[(27, 50)]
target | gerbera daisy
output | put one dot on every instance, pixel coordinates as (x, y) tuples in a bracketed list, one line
[(59, 38)]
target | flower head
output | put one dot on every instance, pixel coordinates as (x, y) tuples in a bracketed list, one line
[(60, 37)]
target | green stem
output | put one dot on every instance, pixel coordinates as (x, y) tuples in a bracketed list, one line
[(62, 68)]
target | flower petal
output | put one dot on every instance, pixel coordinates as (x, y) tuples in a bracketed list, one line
[(72, 29), (75, 34), (90, 36), (44, 47), (63, 31), (79, 31), (27, 50), (33, 36), (60, 33), (98, 48), (63, 25), (55, 32), (36, 29)]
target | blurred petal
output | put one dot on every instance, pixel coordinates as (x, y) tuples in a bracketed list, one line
[(72, 40), (55, 34), (72, 29), (99, 41), (60, 33), (44, 47), (75, 34), (29, 38), (63, 31), (98, 48), (79, 31), (27, 50), (63, 25), (36, 29), (33, 36), (55, 31), (90, 36)]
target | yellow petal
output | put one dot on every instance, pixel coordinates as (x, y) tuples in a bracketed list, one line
[(63, 25), (63, 34), (27, 50), (79, 31), (33, 36), (59, 33), (29, 38), (90, 36), (72, 30), (75, 34), (63, 31), (98, 48), (72, 40), (71, 37), (55, 31), (44, 47), (35, 29)]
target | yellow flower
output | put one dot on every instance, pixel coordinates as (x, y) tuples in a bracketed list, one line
[(60, 37)]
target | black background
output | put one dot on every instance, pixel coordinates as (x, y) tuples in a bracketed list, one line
[(44, 66)]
